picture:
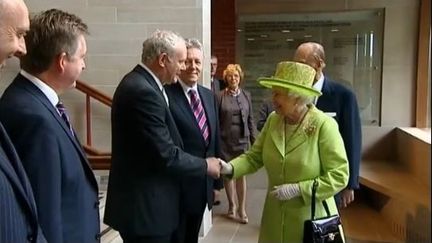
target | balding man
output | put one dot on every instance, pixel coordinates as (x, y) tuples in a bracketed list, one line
[(339, 102), (18, 214)]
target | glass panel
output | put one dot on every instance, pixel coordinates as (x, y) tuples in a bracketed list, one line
[(352, 41)]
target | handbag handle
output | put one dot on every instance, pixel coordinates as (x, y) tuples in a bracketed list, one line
[(314, 188)]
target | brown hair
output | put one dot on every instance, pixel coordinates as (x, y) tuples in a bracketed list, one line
[(51, 33)]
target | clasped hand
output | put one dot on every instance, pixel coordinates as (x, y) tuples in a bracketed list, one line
[(286, 191), (226, 168), (215, 167)]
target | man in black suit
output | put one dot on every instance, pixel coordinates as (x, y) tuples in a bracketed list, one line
[(197, 192), (148, 161), (216, 84), (340, 103), (64, 186), (265, 109), (18, 215)]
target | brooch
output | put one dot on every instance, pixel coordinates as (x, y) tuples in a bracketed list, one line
[(309, 128)]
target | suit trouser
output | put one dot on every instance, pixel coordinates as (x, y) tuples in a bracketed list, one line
[(189, 227), (147, 239)]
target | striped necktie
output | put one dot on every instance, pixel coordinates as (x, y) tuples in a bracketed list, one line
[(62, 110), (199, 114)]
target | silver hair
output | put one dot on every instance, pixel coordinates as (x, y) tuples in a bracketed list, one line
[(302, 100), (161, 41), (193, 43)]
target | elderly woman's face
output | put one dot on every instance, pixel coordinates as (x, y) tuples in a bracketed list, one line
[(283, 104), (233, 79)]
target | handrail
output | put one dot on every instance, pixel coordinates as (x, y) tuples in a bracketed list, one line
[(93, 93), (92, 151), (99, 160)]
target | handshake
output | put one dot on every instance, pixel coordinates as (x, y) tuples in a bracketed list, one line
[(216, 167)]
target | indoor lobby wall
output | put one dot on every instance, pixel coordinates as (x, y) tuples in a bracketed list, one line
[(399, 46), (117, 30), (399, 60)]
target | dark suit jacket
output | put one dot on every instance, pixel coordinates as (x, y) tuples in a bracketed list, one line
[(196, 192), (339, 99), (143, 196), (63, 183), (18, 214), (217, 85), (265, 109)]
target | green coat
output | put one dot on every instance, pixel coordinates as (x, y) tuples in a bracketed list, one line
[(314, 151)]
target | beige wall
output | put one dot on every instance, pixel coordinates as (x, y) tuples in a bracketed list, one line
[(117, 30)]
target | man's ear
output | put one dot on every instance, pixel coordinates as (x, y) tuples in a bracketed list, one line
[(161, 59), (60, 62), (321, 64)]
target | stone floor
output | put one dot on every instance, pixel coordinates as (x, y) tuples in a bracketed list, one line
[(224, 230)]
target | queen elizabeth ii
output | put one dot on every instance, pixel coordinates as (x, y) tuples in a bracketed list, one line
[(298, 145)]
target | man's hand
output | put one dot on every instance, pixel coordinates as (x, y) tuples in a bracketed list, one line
[(226, 168), (213, 167), (346, 197), (286, 191)]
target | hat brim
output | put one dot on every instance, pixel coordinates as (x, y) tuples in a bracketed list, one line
[(297, 88)]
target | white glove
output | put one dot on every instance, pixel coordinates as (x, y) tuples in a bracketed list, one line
[(286, 191), (226, 168)]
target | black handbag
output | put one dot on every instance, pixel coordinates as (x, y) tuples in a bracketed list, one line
[(322, 230)]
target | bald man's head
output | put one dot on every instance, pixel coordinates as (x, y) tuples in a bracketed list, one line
[(14, 23), (312, 54)]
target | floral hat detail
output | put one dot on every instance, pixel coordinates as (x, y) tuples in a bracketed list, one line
[(295, 76)]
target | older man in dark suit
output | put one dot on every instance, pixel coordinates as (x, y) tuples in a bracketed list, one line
[(148, 160), (18, 214), (195, 113), (339, 102), (65, 188)]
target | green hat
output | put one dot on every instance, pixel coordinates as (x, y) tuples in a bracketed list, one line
[(295, 76)]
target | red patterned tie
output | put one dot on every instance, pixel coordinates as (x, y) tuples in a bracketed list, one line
[(199, 113)]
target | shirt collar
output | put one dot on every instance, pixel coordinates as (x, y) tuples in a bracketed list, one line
[(319, 84), (46, 89), (186, 89)]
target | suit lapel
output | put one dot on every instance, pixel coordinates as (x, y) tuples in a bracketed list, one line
[(295, 139), (323, 101), (208, 109), (278, 135), (184, 105), (149, 78), (17, 177), (39, 95)]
